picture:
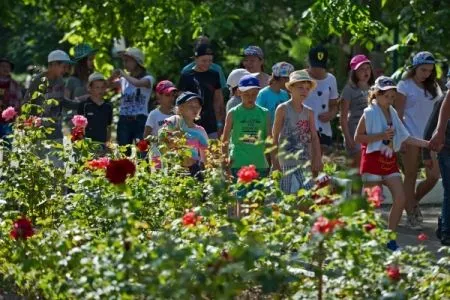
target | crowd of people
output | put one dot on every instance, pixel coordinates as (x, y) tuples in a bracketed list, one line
[(383, 123)]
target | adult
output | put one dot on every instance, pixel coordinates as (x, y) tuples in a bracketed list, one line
[(206, 83), (214, 67), (10, 94), (354, 101), (254, 63), (323, 99), (136, 89), (417, 94), (76, 85)]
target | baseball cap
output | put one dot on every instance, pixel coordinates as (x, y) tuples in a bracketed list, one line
[(318, 57), (136, 54), (299, 76), (282, 69), (82, 51), (235, 76), (203, 49), (357, 61), (423, 57), (4, 59), (95, 76), (187, 96), (165, 87), (254, 51), (248, 82), (384, 83), (59, 55)]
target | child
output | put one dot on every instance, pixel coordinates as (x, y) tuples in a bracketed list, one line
[(381, 133), (98, 112), (188, 109), (354, 101), (294, 133), (248, 127), (233, 82), (274, 94), (253, 62), (165, 95), (10, 94)]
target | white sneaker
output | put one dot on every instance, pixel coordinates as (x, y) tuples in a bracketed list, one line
[(418, 214), (412, 223)]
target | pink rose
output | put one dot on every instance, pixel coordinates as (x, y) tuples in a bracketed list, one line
[(79, 121), (9, 113)]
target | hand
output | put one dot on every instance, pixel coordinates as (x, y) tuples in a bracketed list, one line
[(437, 141), (388, 134), (428, 163), (117, 73), (325, 117), (350, 143)]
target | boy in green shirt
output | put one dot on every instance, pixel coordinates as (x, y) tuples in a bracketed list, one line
[(246, 128)]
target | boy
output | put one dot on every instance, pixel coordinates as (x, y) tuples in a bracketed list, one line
[(248, 127), (274, 94), (233, 82), (98, 113), (165, 95)]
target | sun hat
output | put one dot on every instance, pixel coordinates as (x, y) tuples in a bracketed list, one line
[(4, 59), (95, 76), (165, 87), (299, 76), (357, 61), (318, 57), (235, 76), (384, 83), (282, 69), (422, 58), (82, 51), (248, 82), (59, 55), (203, 49), (253, 51), (187, 96), (136, 54)]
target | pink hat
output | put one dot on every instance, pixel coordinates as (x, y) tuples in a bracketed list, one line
[(358, 60), (165, 87)]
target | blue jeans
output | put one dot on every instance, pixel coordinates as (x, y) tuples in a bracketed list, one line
[(444, 165), (129, 129)]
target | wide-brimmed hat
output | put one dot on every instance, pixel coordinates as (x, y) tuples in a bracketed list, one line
[(299, 76), (82, 51), (136, 54)]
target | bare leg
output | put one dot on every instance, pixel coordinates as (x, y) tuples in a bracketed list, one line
[(428, 184), (411, 166), (395, 185)]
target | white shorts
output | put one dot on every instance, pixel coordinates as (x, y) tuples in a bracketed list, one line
[(368, 177)]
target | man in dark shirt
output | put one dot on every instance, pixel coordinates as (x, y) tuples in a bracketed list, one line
[(206, 83), (98, 113)]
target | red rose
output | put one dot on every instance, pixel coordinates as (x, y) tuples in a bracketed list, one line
[(393, 272), (118, 170), (100, 163), (247, 174), (22, 229), (190, 218), (369, 227), (77, 134), (324, 226), (142, 145), (422, 237), (375, 195)]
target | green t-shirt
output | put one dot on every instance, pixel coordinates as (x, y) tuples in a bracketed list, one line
[(248, 137)]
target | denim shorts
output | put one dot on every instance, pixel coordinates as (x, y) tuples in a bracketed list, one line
[(368, 177)]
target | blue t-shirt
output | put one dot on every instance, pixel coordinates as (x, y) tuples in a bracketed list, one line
[(269, 99), (213, 67)]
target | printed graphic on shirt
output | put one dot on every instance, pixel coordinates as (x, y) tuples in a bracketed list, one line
[(251, 128), (298, 139)]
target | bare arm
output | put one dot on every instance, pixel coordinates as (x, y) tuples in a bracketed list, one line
[(399, 105), (334, 107), (316, 154), (416, 142), (147, 131), (219, 108), (363, 138), (108, 134), (226, 137), (345, 106), (269, 135), (140, 83), (277, 125), (444, 115)]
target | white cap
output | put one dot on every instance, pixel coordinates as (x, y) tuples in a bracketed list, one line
[(95, 76), (59, 55), (235, 76), (136, 54)]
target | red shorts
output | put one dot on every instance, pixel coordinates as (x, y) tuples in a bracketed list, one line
[(377, 164)]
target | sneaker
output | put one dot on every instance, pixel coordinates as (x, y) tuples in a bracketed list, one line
[(412, 223), (418, 214), (392, 245)]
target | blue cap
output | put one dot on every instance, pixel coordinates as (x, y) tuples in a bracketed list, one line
[(422, 58), (248, 82), (188, 96)]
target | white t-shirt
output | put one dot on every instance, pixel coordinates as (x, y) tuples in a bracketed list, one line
[(155, 120), (418, 106), (319, 101), (134, 100)]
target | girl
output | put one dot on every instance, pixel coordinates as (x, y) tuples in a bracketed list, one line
[(254, 63), (354, 101), (188, 108), (414, 103), (76, 85), (381, 133), (294, 133)]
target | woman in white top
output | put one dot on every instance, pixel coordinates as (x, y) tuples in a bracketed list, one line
[(417, 94)]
